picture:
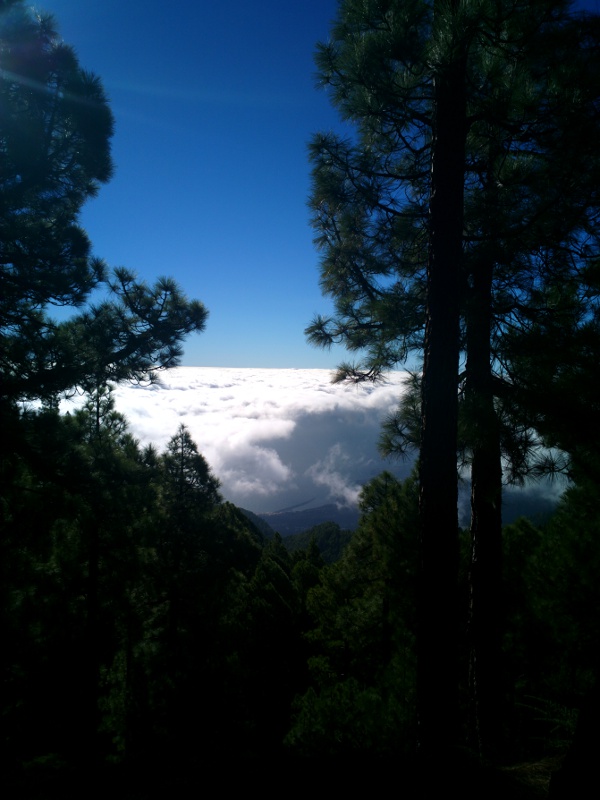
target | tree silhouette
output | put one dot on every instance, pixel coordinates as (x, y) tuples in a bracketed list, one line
[(478, 100), (55, 131)]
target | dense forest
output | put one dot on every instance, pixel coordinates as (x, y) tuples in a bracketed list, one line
[(153, 634)]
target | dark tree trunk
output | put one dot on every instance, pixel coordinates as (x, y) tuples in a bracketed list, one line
[(89, 738), (437, 673), (485, 580)]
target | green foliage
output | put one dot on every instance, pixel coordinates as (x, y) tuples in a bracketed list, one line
[(459, 217), (529, 223), (75, 512), (86, 516), (190, 484), (328, 537), (55, 131), (142, 615), (348, 718), (307, 568), (56, 127), (556, 357), (552, 611), (363, 636)]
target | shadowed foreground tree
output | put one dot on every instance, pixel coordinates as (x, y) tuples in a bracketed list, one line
[(83, 471), (389, 218), (55, 130), (476, 100), (437, 599)]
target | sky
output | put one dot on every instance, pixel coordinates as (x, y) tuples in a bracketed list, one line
[(214, 105)]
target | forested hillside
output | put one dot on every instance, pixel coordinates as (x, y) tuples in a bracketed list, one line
[(154, 633)]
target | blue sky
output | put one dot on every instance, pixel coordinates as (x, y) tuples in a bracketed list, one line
[(214, 106)]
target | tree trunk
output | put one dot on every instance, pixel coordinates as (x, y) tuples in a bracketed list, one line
[(89, 738), (485, 580), (437, 673)]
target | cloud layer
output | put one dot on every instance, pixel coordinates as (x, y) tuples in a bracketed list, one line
[(274, 437)]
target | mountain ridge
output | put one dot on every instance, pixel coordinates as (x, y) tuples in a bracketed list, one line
[(289, 522)]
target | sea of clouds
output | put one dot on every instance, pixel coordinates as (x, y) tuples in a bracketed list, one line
[(279, 439), (276, 438)]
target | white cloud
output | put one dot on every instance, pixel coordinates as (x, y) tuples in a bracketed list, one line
[(274, 437), (277, 438), (331, 472)]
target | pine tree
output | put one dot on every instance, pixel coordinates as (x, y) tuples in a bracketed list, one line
[(361, 702), (396, 70), (55, 131), (83, 470)]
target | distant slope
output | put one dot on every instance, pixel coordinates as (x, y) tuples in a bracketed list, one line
[(260, 523), (287, 523)]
